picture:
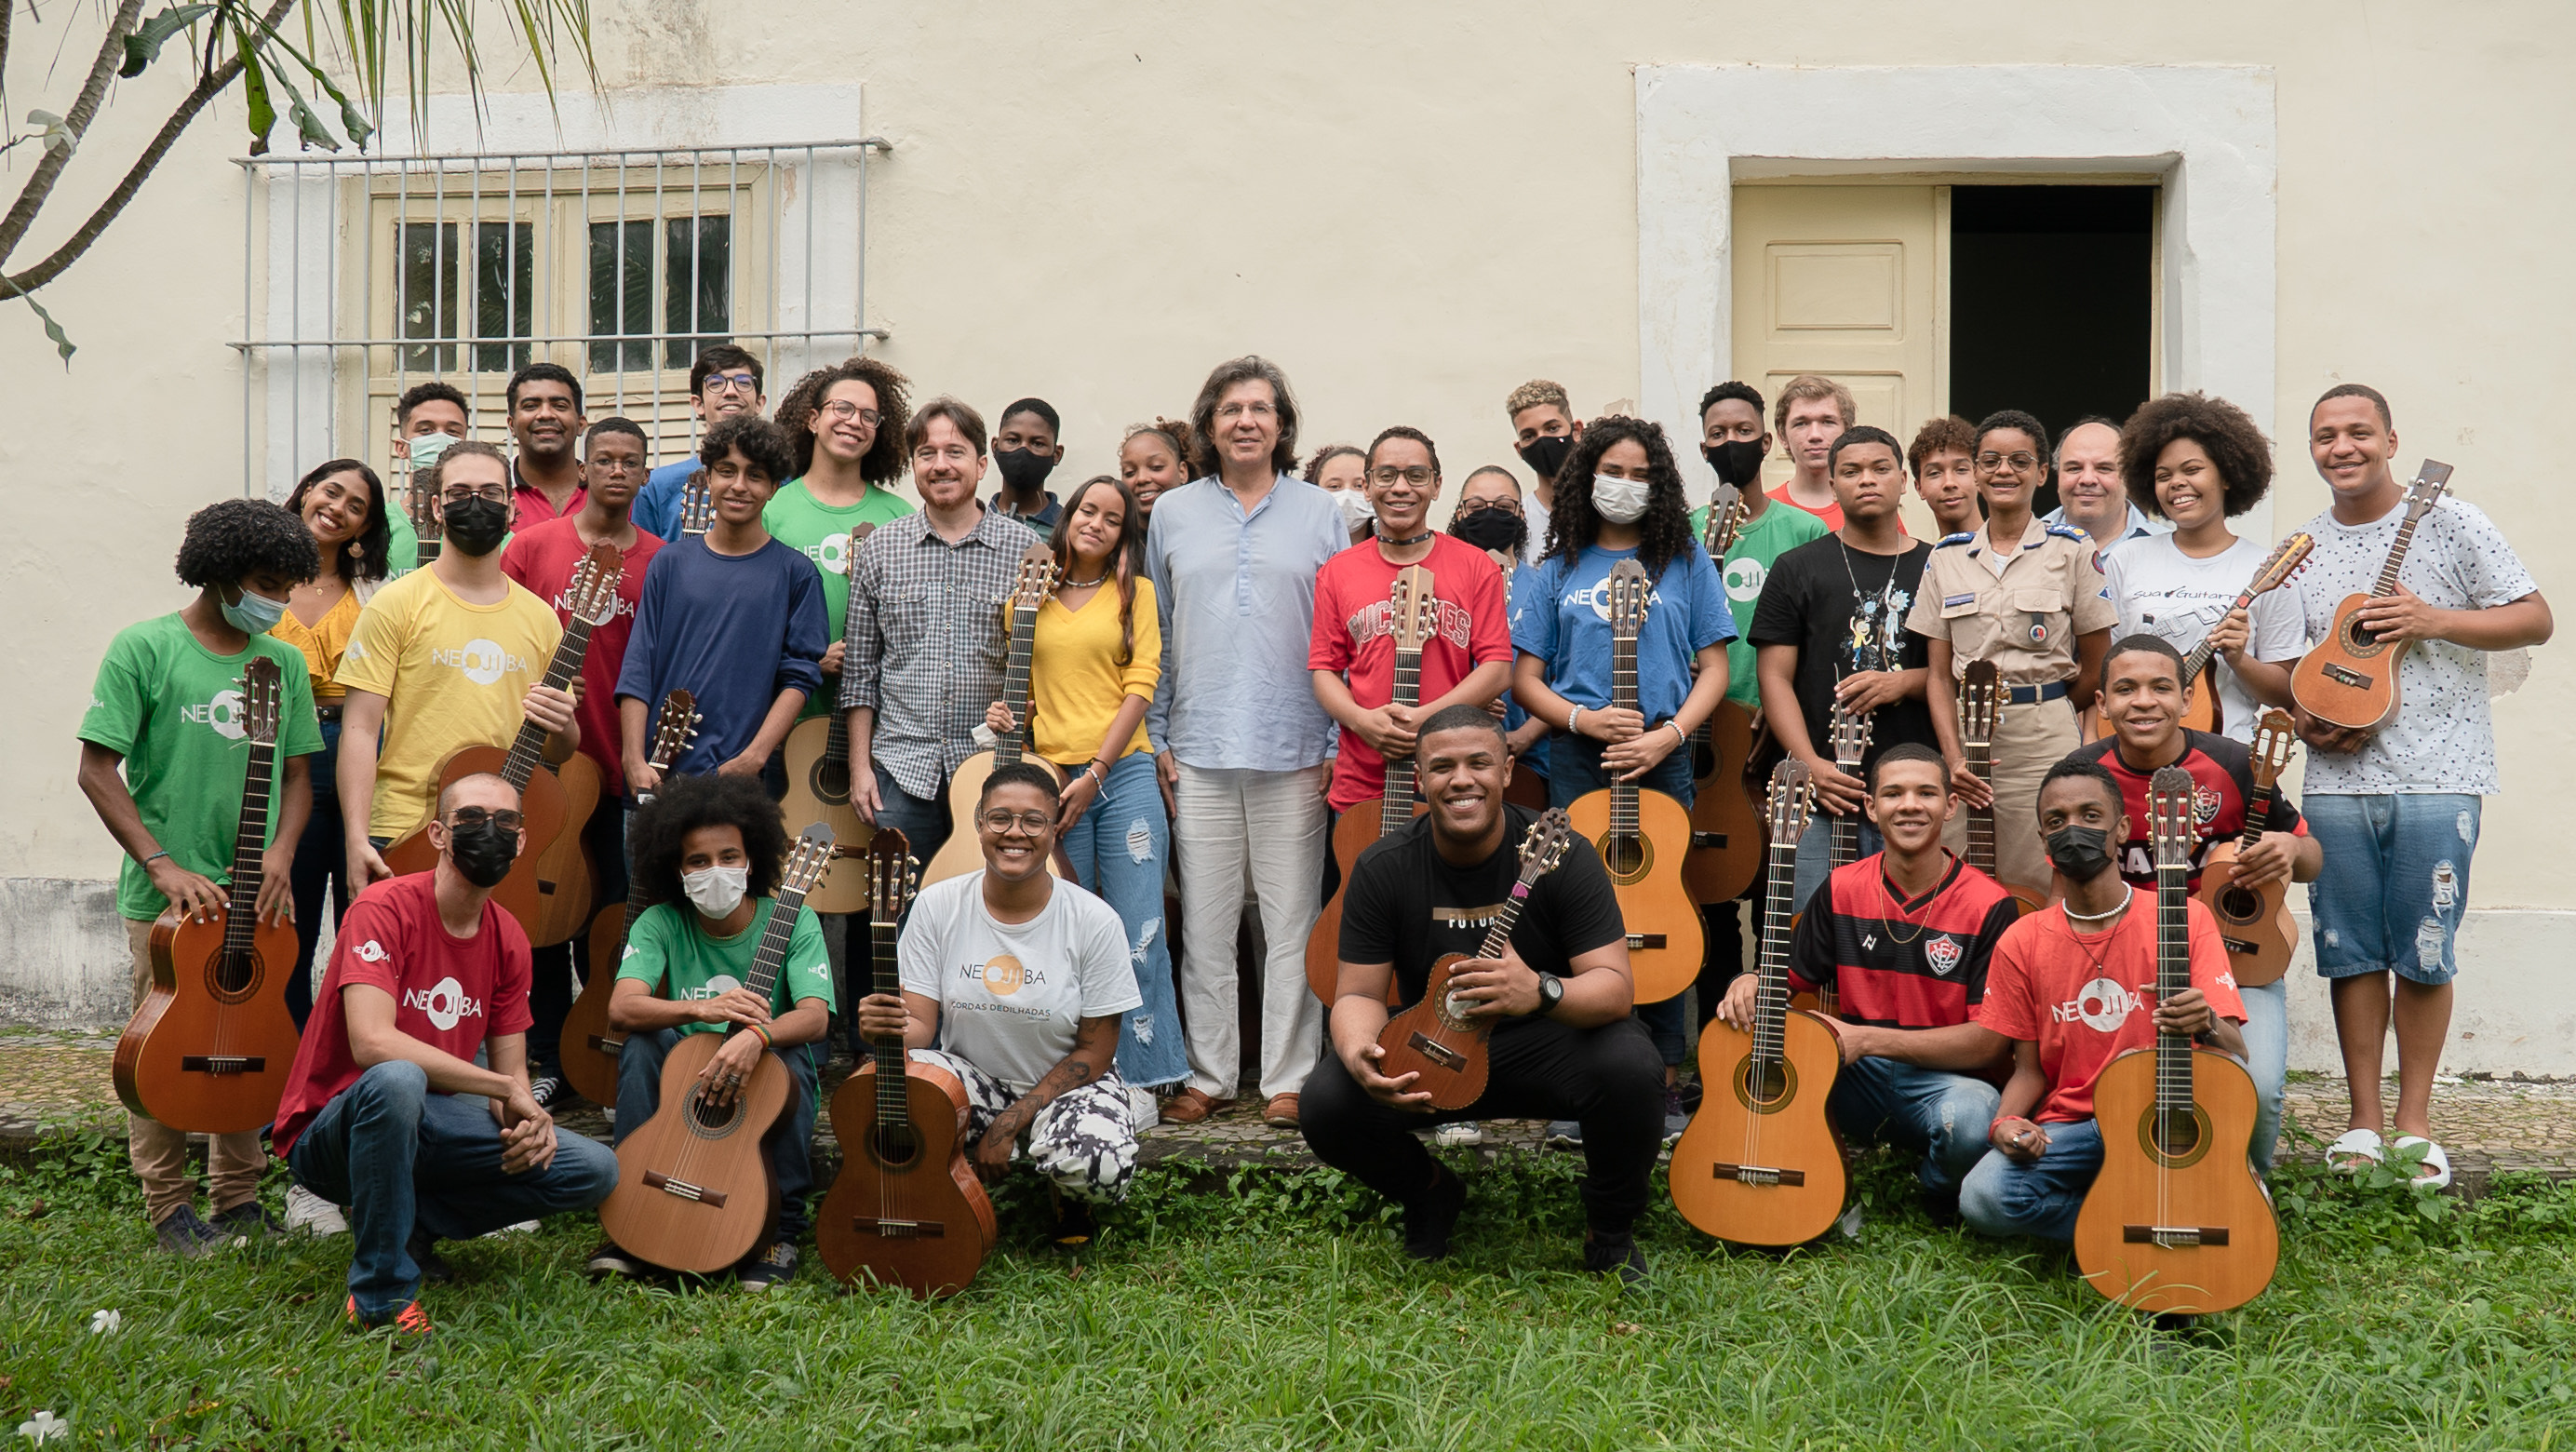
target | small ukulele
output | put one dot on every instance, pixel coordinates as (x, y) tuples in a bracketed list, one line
[(1435, 1038), (207, 1051), (818, 790), (1981, 697), (2254, 922), (1642, 834), (1761, 1163), (694, 1192), (964, 851), (589, 1046), (2349, 679), (1413, 618), (1726, 824), (2176, 1223), (2204, 713), (906, 1209)]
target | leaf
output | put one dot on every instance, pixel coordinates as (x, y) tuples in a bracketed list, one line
[(62, 345), (143, 47), (263, 111)]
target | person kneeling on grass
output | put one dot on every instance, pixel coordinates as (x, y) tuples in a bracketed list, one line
[(381, 1110), (708, 850), (1021, 981)]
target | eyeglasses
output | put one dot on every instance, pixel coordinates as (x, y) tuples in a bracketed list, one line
[(1480, 506), (491, 494), (843, 410), (1257, 409), (471, 819), (1416, 475), (1029, 823), (2019, 461), (732, 383)]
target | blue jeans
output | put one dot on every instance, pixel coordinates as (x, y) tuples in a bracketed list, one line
[(1816, 855), (789, 1147), (923, 823), (400, 1156), (2396, 882), (2001, 1198), (1574, 770), (1942, 1114), (321, 861), (552, 970), (1118, 850), (2267, 1058)]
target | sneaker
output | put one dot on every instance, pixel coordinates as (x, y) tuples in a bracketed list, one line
[(768, 1268), (1465, 1134), (184, 1232), (1618, 1255), (515, 1227), (411, 1320), (1192, 1105), (1075, 1225), (248, 1221), (1564, 1134), (1676, 1118), (313, 1215), (434, 1268), (548, 1090), (608, 1260), (1144, 1111), (1280, 1112), (1428, 1221)]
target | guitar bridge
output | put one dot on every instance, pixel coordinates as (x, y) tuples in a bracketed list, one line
[(656, 1180), (602, 1044), (901, 1229), (222, 1063), (545, 887), (1645, 940), (1758, 1174), (2173, 1237), (1712, 841), (2344, 675), (1437, 1052), (2240, 945)]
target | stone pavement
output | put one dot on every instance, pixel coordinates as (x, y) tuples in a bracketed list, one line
[(52, 1081)]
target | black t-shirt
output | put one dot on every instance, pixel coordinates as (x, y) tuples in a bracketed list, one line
[(1408, 906), (1809, 602)]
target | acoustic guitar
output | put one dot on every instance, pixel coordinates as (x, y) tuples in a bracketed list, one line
[(2349, 679), (2254, 922), (1726, 825), (426, 524), (207, 1051), (1761, 1163), (1527, 788), (1413, 618), (1847, 737), (1981, 698), (818, 790), (589, 1045), (543, 803), (2204, 712), (1435, 1038), (694, 1192), (906, 1209), (1642, 834), (567, 872), (697, 506), (964, 850), (2176, 1223)]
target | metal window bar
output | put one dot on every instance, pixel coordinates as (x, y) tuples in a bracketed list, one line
[(491, 305)]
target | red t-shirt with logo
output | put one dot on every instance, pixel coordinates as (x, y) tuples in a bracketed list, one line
[(542, 557), (2087, 998), (1354, 634), (450, 993)]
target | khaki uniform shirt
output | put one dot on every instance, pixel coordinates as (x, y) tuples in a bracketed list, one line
[(2023, 611)]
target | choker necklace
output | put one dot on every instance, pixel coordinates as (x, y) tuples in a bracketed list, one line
[(2074, 916), (1384, 539), (1085, 584)]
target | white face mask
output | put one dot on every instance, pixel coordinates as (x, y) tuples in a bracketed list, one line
[(716, 891), (1356, 509), (1620, 501)]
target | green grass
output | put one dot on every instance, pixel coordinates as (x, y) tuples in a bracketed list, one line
[(1276, 1312)]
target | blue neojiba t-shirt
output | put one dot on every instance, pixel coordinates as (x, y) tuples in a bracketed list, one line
[(1561, 614)]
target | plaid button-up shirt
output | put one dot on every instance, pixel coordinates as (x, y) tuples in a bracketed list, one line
[(925, 640)]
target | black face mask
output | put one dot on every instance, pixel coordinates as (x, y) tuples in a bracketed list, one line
[(477, 526), (483, 852), (2079, 852), (1023, 469), (1491, 529), (1737, 461), (1546, 453)]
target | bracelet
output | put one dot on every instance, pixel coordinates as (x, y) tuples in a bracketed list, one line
[(762, 1029), (155, 857), (1678, 733), (1096, 772), (1571, 716)]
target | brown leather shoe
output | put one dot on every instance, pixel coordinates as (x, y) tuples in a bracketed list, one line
[(1281, 1112), (1191, 1105)]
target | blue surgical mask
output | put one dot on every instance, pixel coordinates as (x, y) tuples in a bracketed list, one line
[(254, 614), (426, 449)]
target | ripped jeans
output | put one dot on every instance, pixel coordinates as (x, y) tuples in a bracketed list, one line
[(1118, 851), (2396, 882)]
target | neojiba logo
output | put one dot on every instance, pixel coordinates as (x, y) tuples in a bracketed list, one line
[(2101, 1005), (483, 661), (445, 1003), (832, 556), (370, 950), (223, 713), (1005, 975)]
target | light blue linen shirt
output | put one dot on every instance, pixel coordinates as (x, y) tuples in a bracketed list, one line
[(1236, 594), (2137, 526)]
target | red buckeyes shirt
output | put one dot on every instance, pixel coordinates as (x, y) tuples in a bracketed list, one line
[(2222, 779), (450, 993), (1895, 962), (1354, 633), (2087, 998)]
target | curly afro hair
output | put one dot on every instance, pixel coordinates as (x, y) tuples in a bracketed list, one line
[(762, 443), (686, 803), (884, 461), (1664, 535), (2225, 432), (232, 539)]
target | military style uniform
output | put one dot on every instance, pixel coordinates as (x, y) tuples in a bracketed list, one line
[(2023, 611)]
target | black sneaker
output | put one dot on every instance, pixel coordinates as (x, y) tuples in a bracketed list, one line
[(248, 1221), (1428, 1221), (1676, 1118), (184, 1232), (768, 1268), (548, 1091), (1075, 1225), (608, 1260), (1618, 1255), (434, 1268), (1564, 1134)]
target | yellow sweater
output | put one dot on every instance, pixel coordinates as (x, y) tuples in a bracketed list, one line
[(1075, 682)]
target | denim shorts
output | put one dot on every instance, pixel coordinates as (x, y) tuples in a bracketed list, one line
[(2395, 884)]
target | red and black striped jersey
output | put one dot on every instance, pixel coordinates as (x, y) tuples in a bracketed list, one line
[(1895, 962), (2222, 779)]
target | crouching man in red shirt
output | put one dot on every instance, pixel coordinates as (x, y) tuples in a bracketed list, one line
[(387, 1109)]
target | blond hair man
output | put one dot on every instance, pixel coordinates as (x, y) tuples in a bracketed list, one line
[(1811, 413)]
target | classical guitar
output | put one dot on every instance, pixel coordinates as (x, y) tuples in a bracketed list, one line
[(694, 1192), (1761, 1163), (1642, 834), (1413, 618), (2254, 922), (1527, 788), (2204, 713), (2176, 1223), (567, 874), (2349, 679), (589, 1045), (697, 506), (543, 802), (964, 851), (208, 1049), (1435, 1038), (1981, 698), (1726, 824), (1847, 736), (818, 790), (906, 1209)]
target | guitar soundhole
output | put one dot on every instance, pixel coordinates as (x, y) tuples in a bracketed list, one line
[(896, 1146), (1626, 857), (232, 977), (710, 1118), (832, 781), (1763, 1088), (2361, 639), (2239, 904), (2175, 1138)]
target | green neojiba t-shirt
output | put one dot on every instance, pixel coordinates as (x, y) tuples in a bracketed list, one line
[(670, 942), (175, 711), (822, 531), (1779, 530)]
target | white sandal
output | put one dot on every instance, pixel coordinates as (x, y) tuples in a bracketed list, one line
[(2434, 1159), (2365, 1147)]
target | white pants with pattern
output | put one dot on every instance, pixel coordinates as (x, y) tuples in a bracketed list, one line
[(1083, 1141), (1274, 825)]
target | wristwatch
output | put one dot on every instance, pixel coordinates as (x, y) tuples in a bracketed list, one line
[(1551, 992)]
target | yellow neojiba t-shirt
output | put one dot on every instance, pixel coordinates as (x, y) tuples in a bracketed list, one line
[(453, 675), (1076, 684)]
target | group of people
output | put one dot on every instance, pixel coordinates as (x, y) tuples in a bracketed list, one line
[(1212, 679)]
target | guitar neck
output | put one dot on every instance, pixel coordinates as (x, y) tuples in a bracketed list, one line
[(1623, 697), (2387, 582), (892, 1105), (1395, 807), (1771, 1000), (1981, 820), (2198, 660), (1499, 936), (249, 840), (762, 980), (1015, 685), (836, 737), (1845, 840), (529, 747), (2173, 976), (2258, 810)]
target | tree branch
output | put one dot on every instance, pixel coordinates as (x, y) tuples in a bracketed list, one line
[(49, 169)]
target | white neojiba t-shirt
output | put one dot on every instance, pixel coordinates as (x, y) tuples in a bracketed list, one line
[(2167, 594), (1010, 994)]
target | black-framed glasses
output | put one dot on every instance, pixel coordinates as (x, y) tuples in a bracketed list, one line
[(998, 821), (1416, 475), (1480, 506), (842, 410), (732, 383), (471, 819), (2020, 462), (490, 494)]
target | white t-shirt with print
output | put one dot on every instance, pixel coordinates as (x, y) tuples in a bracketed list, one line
[(2443, 739), (2167, 594), (1010, 994)]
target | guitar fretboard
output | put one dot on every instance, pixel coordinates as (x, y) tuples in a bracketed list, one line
[(2173, 975), (893, 1108), (528, 747), (1623, 697), (1395, 808), (1981, 820), (762, 980), (1771, 997), (241, 918), (1015, 685)]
